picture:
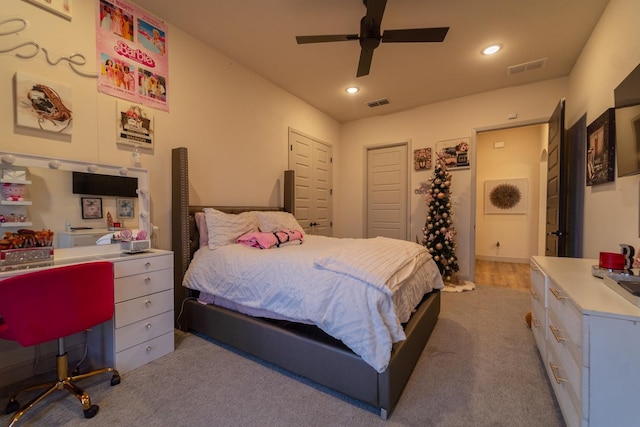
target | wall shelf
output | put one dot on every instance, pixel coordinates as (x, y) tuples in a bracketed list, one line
[(13, 203), (16, 224)]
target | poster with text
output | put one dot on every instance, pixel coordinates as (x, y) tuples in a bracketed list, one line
[(132, 54)]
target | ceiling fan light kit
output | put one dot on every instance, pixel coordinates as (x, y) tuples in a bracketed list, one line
[(370, 35)]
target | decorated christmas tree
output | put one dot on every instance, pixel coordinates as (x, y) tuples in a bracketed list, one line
[(439, 233)]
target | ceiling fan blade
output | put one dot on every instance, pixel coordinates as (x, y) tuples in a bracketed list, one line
[(364, 65), (415, 35), (323, 39), (375, 10)]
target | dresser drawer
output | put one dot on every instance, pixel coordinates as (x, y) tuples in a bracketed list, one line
[(561, 382), (144, 353), (131, 311), (571, 369), (539, 326), (567, 316), (142, 265), (144, 330), (130, 287), (537, 279)]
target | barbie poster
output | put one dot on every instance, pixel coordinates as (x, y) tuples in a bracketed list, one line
[(132, 54)]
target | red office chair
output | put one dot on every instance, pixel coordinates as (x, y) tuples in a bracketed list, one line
[(51, 304)]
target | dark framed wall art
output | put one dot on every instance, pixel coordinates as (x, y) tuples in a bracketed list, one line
[(601, 149), (91, 207)]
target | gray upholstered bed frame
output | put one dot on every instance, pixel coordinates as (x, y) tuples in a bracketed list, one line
[(318, 359)]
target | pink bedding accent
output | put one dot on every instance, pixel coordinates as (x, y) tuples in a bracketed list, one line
[(263, 240)]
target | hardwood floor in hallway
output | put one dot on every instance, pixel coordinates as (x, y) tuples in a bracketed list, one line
[(505, 274)]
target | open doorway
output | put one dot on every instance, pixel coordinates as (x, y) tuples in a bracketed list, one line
[(510, 201)]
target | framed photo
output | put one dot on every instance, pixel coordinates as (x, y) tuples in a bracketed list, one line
[(135, 125), (454, 153), (43, 105), (422, 159), (125, 208), (91, 207), (506, 196), (601, 149), (59, 7)]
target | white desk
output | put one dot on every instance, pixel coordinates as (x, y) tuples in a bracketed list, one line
[(142, 327)]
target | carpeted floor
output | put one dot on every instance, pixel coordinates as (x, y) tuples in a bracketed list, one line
[(480, 368)]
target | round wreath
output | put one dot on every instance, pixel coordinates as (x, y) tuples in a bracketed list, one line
[(505, 196)]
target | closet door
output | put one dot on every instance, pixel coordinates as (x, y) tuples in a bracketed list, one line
[(387, 192), (311, 160)]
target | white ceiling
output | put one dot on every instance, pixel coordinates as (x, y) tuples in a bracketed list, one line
[(260, 34)]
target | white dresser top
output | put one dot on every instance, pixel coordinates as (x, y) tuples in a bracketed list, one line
[(78, 255), (588, 292)]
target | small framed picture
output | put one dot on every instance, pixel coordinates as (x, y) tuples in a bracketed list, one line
[(125, 208), (91, 207)]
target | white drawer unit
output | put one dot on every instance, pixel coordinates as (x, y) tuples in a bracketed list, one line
[(539, 307), (592, 344), (142, 327)]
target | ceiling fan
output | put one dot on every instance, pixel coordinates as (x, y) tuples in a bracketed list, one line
[(370, 36)]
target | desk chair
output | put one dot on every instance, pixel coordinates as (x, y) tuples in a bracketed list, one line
[(51, 304)]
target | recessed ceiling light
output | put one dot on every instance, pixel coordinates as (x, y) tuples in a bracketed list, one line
[(490, 50), (352, 89)]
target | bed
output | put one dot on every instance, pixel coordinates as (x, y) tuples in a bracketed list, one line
[(297, 347)]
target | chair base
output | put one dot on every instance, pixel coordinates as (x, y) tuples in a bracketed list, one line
[(63, 382)]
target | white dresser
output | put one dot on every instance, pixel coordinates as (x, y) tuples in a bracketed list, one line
[(589, 341), (142, 327)]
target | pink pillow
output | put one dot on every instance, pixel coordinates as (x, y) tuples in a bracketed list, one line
[(201, 225)]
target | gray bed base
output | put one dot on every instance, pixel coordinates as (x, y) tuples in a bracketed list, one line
[(328, 364)]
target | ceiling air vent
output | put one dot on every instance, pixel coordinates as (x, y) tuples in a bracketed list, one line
[(378, 102), (527, 66)]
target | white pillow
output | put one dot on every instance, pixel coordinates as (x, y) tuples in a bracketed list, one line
[(269, 221), (224, 228)]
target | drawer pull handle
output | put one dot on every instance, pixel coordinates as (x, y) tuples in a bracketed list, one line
[(147, 303), (534, 294), (147, 265), (535, 322), (147, 280), (148, 349), (556, 376), (148, 326), (556, 334), (557, 294)]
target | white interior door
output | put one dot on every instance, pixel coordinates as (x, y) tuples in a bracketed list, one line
[(387, 192), (312, 162)]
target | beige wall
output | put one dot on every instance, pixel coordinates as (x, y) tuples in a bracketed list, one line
[(611, 210), (518, 157), (234, 122), (426, 125)]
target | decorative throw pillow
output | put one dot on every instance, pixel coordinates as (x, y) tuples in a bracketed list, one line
[(224, 228), (269, 221)]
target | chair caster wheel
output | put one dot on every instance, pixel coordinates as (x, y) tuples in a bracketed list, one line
[(12, 407), (92, 411), (115, 380)]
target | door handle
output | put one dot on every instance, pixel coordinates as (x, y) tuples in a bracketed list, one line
[(556, 233), (313, 224)]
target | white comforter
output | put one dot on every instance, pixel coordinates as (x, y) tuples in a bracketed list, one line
[(353, 289)]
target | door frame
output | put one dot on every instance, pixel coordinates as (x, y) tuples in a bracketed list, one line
[(365, 180), (474, 180)]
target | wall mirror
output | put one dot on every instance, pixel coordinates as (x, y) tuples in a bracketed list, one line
[(38, 193)]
